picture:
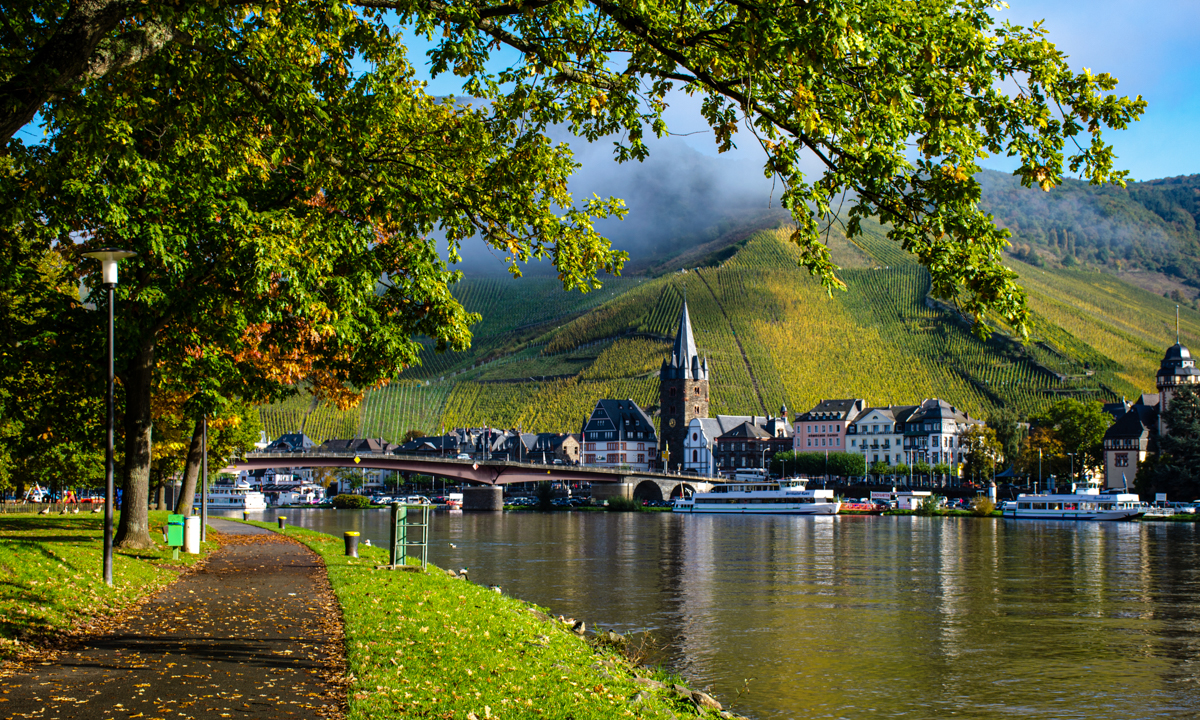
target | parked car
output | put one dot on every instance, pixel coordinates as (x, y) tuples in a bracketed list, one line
[(462, 456)]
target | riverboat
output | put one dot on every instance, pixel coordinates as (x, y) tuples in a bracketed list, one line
[(1089, 504), (788, 496), (233, 497)]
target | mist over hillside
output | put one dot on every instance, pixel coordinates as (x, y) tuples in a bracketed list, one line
[(678, 199)]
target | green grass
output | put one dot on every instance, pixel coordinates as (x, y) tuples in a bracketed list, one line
[(50, 576), (426, 645)]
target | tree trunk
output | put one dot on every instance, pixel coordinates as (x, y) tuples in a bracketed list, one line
[(161, 495), (134, 529), (191, 471)]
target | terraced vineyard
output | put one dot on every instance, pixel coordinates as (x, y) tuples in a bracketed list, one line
[(773, 336)]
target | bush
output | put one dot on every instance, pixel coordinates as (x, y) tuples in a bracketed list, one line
[(982, 506), (931, 505), (620, 504), (351, 502)]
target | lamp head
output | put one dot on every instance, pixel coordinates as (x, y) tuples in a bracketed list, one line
[(108, 258)]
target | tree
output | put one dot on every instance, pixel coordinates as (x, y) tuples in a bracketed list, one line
[(1176, 470), (1006, 422), (981, 451), (285, 206), (880, 468), (1079, 427), (1042, 454)]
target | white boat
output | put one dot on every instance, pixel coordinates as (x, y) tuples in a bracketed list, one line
[(785, 497), (233, 497), (1089, 504)]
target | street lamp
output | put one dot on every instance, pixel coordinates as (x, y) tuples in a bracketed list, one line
[(108, 258), (1072, 456)]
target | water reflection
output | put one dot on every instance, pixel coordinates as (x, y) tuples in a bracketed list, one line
[(862, 617)]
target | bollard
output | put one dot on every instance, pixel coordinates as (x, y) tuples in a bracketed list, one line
[(282, 522), (351, 544), (245, 514)]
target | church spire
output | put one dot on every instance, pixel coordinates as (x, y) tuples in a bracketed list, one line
[(685, 341)]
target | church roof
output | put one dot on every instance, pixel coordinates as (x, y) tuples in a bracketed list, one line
[(1177, 362), (685, 362)]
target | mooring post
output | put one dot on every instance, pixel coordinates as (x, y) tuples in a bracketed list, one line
[(396, 552)]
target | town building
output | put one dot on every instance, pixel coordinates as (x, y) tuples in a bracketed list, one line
[(554, 448), (878, 434), (619, 434), (1134, 435), (682, 391), (358, 446), (439, 446), (823, 429), (752, 443), (291, 442), (700, 443), (932, 433)]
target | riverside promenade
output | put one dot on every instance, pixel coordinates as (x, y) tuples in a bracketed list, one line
[(254, 633)]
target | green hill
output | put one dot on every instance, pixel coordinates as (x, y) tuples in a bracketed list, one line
[(773, 336)]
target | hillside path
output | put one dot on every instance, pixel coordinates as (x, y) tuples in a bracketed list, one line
[(254, 633)]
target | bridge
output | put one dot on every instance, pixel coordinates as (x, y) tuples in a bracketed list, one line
[(606, 483)]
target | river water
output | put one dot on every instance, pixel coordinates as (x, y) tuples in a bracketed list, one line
[(861, 617)]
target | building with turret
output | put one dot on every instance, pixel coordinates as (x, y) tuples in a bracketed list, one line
[(682, 391), (1135, 433)]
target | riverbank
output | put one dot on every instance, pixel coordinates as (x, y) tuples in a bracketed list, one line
[(53, 590), (424, 643)]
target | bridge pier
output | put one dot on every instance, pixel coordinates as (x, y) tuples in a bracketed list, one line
[(608, 491), (486, 497)]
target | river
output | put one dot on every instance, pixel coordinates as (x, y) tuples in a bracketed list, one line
[(861, 617)]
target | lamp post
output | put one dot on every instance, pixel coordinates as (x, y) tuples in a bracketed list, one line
[(1072, 456), (108, 258)]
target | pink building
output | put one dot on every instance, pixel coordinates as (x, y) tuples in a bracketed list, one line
[(823, 429)]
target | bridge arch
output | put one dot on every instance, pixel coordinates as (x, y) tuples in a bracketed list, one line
[(682, 490), (647, 490)]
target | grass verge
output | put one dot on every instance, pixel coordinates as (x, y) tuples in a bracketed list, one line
[(424, 644), (50, 578)]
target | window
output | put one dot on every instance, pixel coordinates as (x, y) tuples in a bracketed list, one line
[(694, 436), (837, 441), (589, 459), (611, 446), (641, 446), (1121, 460), (672, 392), (694, 456), (852, 441), (641, 458), (874, 428), (810, 442)]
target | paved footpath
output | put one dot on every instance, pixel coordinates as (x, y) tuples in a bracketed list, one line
[(255, 633)]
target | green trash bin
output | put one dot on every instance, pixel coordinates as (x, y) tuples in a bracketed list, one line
[(175, 525)]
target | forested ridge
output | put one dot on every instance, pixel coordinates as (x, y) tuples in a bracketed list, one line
[(1148, 225)]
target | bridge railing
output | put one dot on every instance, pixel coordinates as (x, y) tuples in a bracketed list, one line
[(296, 460)]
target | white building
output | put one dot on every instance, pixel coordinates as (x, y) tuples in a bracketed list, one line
[(878, 434), (702, 433), (619, 434)]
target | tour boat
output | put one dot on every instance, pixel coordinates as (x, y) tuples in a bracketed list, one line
[(230, 497), (1089, 504), (785, 497)]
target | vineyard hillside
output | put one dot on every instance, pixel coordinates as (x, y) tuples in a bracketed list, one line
[(773, 337)]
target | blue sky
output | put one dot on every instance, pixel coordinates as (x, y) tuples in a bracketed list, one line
[(1151, 47)]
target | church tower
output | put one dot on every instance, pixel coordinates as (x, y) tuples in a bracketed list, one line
[(682, 390)]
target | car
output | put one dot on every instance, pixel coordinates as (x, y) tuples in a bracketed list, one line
[(557, 461), (462, 456)]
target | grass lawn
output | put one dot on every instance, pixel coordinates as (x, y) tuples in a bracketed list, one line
[(50, 576), (428, 645)]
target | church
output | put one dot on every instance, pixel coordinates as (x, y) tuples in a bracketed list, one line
[(682, 391), (1133, 436)]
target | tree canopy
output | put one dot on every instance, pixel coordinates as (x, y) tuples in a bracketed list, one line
[(286, 179)]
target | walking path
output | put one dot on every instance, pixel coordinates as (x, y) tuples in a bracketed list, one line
[(255, 633)]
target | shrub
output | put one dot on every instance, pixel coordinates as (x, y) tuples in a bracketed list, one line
[(621, 504), (351, 502), (982, 506), (931, 505)]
